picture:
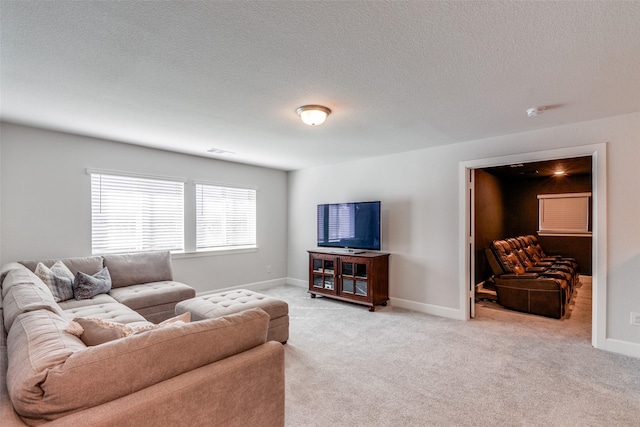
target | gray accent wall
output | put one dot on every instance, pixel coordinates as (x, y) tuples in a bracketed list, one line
[(46, 208)]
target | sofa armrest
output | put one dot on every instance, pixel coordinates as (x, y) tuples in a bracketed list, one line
[(536, 269), (519, 276), (543, 264)]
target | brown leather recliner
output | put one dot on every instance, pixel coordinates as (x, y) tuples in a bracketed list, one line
[(530, 289), (532, 256)]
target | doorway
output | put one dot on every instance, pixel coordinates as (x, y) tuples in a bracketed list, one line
[(597, 153)]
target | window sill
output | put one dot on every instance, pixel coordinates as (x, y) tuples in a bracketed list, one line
[(564, 234), (215, 252)]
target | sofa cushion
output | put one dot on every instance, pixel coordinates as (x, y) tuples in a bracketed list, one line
[(58, 278), (143, 360), (25, 292), (111, 311), (152, 294), (136, 268), (88, 265), (86, 286)]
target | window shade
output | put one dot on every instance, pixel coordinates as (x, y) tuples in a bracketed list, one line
[(225, 217), (133, 214), (564, 213)]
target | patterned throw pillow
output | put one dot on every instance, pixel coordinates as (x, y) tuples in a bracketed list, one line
[(94, 331), (182, 318), (97, 331), (85, 286), (58, 278)]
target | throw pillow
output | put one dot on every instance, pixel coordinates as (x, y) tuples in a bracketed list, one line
[(85, 286), (94, 331), (58, 278), (182, 318), (98, 331)]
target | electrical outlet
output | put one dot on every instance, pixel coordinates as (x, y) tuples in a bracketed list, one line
[(268, 269), (635, 319)]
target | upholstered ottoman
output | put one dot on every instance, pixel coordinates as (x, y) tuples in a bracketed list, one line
[(221, 304)]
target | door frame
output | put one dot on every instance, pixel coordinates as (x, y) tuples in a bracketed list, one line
[(598, 153)]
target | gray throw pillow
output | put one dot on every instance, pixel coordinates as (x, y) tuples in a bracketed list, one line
[(86, 286), (58, 278)]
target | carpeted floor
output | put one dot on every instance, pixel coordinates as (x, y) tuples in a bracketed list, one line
[(346, 366)]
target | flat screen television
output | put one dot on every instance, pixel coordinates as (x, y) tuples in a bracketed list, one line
[(349, 225)]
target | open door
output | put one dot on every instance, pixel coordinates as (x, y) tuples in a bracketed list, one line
[(467, 231), (471, 243)]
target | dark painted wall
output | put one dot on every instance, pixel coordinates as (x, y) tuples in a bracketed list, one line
[(489, 215), (519, 215)]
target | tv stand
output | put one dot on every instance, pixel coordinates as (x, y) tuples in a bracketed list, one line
[(361, 278)]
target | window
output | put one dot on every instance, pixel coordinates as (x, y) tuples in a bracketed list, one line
[(225, 217), (564, 214), (134, 214)]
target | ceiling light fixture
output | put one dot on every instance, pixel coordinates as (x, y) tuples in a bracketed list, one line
[(532, 112), (559, 173), (313, 115)]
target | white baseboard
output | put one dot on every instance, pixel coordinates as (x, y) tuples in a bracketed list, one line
[(251, 286), (622, 347), (435, 310), (298, 282)]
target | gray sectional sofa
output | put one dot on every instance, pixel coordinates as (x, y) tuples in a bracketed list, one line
[(213, 372)]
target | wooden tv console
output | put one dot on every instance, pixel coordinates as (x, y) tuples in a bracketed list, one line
[(361, 278)]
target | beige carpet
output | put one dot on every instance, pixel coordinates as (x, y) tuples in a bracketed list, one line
[(346, 366)]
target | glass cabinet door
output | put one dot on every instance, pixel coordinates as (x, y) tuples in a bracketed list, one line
[(323, 274), (354, 278)]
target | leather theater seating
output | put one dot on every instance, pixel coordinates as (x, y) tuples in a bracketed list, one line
[(529, 280)]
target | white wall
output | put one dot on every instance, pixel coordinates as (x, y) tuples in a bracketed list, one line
[(46, 211), (420, 201)]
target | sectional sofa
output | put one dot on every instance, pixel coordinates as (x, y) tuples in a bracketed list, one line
[(151, 369)]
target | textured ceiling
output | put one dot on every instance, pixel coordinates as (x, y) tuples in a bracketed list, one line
[(399, 76)]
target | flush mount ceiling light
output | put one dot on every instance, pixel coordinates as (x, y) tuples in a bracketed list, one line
[(313, 115), (532, 112)]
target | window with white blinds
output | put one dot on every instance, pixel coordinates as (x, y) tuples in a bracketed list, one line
[(225, 217), (564, 214), (135, 214)]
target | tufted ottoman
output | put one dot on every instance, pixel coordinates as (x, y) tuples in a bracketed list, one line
[(221, 304)]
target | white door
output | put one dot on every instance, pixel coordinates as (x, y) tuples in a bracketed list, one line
[(471, 227)]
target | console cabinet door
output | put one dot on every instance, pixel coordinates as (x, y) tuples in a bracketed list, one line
[(354, 278), (323, 274)]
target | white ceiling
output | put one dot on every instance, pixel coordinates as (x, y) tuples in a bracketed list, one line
[(399, 76)]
